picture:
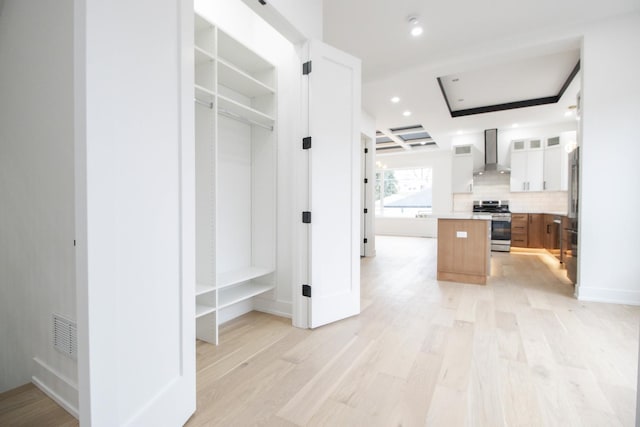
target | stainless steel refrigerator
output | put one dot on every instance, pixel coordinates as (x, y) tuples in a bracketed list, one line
[(570, 248)]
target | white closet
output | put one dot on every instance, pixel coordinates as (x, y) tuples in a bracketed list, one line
[(235, 98)]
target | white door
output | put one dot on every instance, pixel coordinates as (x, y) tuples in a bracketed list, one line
[(363, 194), (135, 212), (334, 177)]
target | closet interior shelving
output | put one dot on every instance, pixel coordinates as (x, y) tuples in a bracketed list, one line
[(235, 98)]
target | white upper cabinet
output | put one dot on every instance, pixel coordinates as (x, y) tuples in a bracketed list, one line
[(553, 162), (462, 168), (541, 164), (556, 160), (527, 160)]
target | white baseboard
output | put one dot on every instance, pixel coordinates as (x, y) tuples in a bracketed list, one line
[(611, 296), (277, 308), (55, 385)]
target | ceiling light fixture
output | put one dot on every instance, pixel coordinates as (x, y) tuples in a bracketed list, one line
[(406, 113), (515, 125), (416, 28), (395, 99)]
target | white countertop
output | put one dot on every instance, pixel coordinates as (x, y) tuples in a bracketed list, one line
[(463, 215), (545, 212)]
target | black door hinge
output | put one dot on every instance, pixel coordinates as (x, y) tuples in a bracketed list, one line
[(306, 68), (366, 211), (306, 142), (262, 2), (306, 291), (366, 150), (365, 240), (366, 180), (306, 217)]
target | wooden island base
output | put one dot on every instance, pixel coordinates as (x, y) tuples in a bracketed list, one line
[(464, 250)]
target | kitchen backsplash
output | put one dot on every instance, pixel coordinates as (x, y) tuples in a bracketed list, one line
[(538, 201)]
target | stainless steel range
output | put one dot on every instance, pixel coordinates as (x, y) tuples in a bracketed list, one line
[(500, 222)]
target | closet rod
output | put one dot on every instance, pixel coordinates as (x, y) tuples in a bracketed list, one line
[(232, 115), (205, 103)]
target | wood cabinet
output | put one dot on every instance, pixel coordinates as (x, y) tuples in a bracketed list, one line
[(463, 250), (235, 177), (535, 232), (553, 234), (519, 230)]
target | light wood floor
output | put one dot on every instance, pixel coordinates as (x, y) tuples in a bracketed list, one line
[(520, 351), (28, 406)]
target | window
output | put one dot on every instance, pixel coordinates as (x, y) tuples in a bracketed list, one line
[(403, 192)]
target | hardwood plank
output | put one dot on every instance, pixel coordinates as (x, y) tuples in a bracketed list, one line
[(521, 406), (456, 363), (28, 406), (301, 408)]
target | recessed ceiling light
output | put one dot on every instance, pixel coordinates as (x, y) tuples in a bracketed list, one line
[(406, 113), (395, 99), (416, 28), (515, 125), (459, 132)]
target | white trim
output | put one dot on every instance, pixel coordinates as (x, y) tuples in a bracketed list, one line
[(61, 389), (277, 308), (611, 296)]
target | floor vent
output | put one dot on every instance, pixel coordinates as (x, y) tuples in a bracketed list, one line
[(65, 336)]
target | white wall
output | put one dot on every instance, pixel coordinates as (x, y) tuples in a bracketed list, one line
[(608, 262), (297, 20), (135, 186), (235, 18), (36, 192)]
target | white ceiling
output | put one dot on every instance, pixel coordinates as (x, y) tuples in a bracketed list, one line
[(487, 44), (531, 78)]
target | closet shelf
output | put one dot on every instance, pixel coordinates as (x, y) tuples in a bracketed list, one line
[(241, 56), (243, 111), (236, 294), (203, 310), (201, 56), (238, 80), (234, 277), (202, 92), (203, 289)]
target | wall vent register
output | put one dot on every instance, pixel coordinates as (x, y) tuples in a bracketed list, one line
[(65, 336)]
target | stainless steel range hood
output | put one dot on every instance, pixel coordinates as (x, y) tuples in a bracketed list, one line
[(491, 165)]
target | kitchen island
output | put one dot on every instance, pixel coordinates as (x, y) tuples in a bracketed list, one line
[(464, 248)]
